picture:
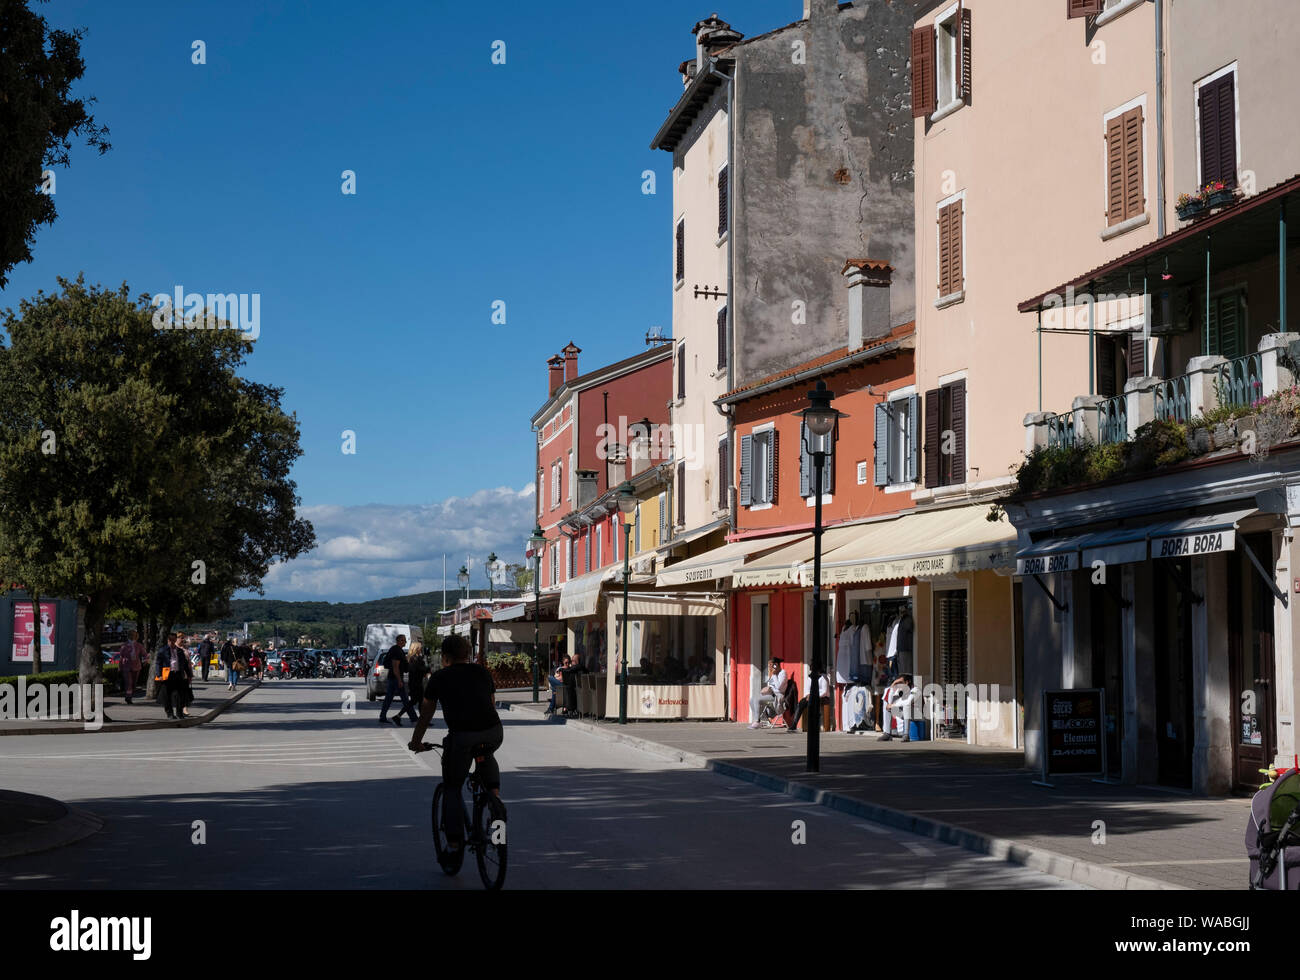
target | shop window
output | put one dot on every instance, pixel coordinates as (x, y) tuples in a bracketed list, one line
[(670, 649), (950, 643)]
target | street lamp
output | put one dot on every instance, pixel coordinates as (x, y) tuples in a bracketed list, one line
[(491, 567), (820, 429), (463, 578), (626, 496), (535, 545)]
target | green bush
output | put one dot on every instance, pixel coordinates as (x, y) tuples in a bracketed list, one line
[(112, 678), (1054, 468), (509, 661)]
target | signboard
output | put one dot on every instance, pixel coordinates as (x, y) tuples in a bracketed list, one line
[(25, 633), (1185, 545), (1065, 561), (1074, 735)]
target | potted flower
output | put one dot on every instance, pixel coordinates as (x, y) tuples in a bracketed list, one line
[(1216, 194), (1191, 206)]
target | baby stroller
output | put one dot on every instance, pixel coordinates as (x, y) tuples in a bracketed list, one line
[(1273, 835)]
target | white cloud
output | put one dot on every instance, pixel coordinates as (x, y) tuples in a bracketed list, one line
[(375, 550)]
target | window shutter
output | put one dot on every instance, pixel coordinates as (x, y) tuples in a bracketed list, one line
[(1137, 356), (1083, 8), (681, 495), (945, 251), (681, 250), (828, 471), (1225, 323), (681, 371), (746, 471), (882, 445), (774, 477), (913, 412), (923, 81), (956, 270), (805, 463), (1115, 171), (932, 438), (963, 53), (1219, 132), (1134, 193), (663, 517), (723, 194), (957, 392), (724, 475), (1105, 367), (722, 338)]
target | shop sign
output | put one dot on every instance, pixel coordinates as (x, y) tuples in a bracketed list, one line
[(1187, 545), (1074, 742), (1066, 561)]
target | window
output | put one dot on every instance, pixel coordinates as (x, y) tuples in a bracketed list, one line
[(862, 472), (681, 495), (722, 338), (1125, 190), (941, 64), (1119, 358), (1227, 330), (1103, 10), (555, 566), (636, 530), (724, 474), (951, 251), (896, 443), (681, 250), (1082, 8), (556, 472), (571, 556), (600, 545), (663, 517), (945, 435), (1216, 112), (758, 468), (681, 371), (723, 192), (613, 537), (807, 471)]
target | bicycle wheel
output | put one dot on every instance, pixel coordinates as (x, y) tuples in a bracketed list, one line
[(449, 862), (490, 827)]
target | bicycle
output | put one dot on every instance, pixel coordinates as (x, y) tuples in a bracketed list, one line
[(485, 831)]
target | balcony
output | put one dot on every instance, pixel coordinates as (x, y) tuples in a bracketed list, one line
[(1210, 385)]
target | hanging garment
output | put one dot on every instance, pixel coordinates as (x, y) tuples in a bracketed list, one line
[(855, 707), (891, 645), (845, 655)]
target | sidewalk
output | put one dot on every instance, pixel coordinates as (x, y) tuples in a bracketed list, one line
[(979, 798), (210, 699)]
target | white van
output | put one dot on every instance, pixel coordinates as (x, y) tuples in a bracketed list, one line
[(379, 639)]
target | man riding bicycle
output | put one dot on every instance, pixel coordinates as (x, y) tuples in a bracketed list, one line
[(468, 698)]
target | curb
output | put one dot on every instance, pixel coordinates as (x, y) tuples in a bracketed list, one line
[(1036, 858), (73, 826), (138, 726)]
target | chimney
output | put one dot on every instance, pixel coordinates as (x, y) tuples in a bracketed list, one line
[(587, 484), (570, 353), (869, 310), (817, 9), (711, 36), (556, 364)]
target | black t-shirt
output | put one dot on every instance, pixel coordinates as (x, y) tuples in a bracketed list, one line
[(395, 658), (467, 696)]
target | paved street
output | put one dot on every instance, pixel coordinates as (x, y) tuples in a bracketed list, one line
[(294, 793)]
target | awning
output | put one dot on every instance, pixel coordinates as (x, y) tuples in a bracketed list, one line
[(1119, 546), (660, 604), (580, 596), (1204, 535), (1050, 555), (686, 537), (926, 544), (522, 632), (722, 562), (516, 611), (786, 566)]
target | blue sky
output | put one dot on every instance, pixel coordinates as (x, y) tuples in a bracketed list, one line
[(475, 183)]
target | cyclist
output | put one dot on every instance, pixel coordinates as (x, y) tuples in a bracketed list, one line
[(468, 698)]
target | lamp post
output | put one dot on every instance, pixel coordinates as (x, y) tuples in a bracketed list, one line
[(820, 428), (535, 545), (462, 577), (491, 567), (627, 507)]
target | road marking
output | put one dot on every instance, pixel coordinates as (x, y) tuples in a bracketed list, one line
[(920, 850), (874, 828), (416, 758), (1137, 864)]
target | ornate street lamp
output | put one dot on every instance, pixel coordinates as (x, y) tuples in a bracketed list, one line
[(535, 545), (626, 496), (491, 569), (463, 578), (820, 430)]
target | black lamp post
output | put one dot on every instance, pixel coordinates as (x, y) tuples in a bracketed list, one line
[(491, 568), (535, 545), (820, 428), (627, 507), (462, 577)]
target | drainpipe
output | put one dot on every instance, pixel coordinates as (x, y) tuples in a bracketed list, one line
[(1160, 118), (1281, 270)]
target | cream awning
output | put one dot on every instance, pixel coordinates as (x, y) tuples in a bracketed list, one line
[(792, 565), (580, 596), (657, 604), (722, 562)]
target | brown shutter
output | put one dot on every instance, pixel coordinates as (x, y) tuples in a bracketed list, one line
[(1083, 8), (1134, 193), (963, 52), (956, 268), (724, 475), (945, 251), (1219, 132), (932, 438), (1137, 356), (681, 371), (957, 393), (722, 201), (681, 250), (1115, 171), (923, 81), (1106, 367), (681, 495), (722, 338)]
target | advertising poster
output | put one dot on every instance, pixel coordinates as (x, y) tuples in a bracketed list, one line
[(25, 632)]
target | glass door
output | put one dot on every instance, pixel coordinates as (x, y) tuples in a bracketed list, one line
[(1250, 649)]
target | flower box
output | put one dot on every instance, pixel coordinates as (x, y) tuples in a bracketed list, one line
[(1221, 198), (1193, 208)]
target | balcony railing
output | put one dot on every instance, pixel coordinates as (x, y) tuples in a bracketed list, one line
[(1112, 420), (1173, 399), (1060, 431), (1240, 382)]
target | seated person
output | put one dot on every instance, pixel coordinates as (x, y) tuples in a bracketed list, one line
[(823, 691), (556, 680), (569, 677), (674, 672), (772, 694), (648, 669), (897, 705)]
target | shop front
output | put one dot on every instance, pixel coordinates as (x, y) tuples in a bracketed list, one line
[(675, 655)]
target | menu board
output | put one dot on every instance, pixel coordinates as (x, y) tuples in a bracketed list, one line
[(1075, 742)]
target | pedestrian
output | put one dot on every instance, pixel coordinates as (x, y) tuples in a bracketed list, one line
[(173, 670), (187, 689), (132, 653), (395, 661), (228, 660), (255, 664), (419, 671), (206, 649)]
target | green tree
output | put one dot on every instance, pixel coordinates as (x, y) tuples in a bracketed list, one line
[(136, 467), (38, 119)]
